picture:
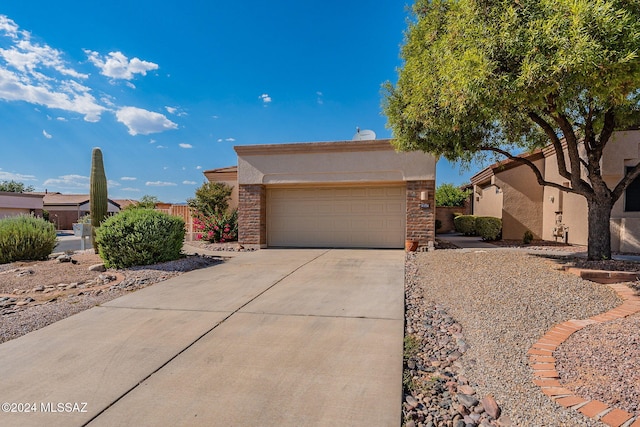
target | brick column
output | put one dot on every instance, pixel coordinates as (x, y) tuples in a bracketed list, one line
[(421, 220), (252, 215)]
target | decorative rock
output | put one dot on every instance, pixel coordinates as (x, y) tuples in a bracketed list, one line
[(23, 273), (491, 406), (466, 389), (64, 258), (413, 403), (62, 286), (38, 288), (97, 267), (468, 401)]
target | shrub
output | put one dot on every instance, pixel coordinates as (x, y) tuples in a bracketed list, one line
[(26, 237), (527, 237), (218, 228), (488, 227), (140, 237), (438, 224), (465, 224)]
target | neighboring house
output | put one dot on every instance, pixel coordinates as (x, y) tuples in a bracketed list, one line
[(509, 190), (124, 203), (333, 194), (65, 209), (12, 204), (229, 176)]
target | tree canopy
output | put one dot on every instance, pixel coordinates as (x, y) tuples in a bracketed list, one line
[(448, 194), (508, 76), (211, 198), (15, 187)]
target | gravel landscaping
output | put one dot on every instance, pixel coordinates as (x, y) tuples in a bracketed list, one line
[(484, 310)]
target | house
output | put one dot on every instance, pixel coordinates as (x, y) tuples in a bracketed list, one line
[(65, 209), (12, 204), (332, 194), (509, 190)]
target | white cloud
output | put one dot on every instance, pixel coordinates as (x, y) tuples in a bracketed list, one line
[(62, 119), (112, 183), (144, 122), (128, 178), (198, 167), (46, 135), (68, 182), (171, 110), (265, 98), (160, 146), (320, 100), (189, 182), (9, 176), (117, 66), (37, 74), (230, 139), (129, 189), (152, 141), (215, 117), (185, 145), (160, 184), (220, 139)]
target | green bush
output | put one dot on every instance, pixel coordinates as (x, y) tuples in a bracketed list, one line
[(527, 237), (465, 224), (25, 237), (488, 227), (140, 237)]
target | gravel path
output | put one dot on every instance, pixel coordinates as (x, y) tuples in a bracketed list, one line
[(504, 302), (607, 366)]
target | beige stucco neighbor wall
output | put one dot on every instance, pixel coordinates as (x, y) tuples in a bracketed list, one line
[(521, 201), (487, 200)]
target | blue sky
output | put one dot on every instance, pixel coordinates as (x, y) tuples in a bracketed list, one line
[(167, 88)]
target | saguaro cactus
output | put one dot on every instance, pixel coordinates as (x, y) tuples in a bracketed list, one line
[(98, 193)]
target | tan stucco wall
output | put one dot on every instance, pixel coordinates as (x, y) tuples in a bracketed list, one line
[(332, 162), (6, 212), (487, 200), (521, 201)]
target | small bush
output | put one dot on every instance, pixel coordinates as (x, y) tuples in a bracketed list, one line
[(527, 237), (26, 237), (140, 237), (217, 228), (488, 227), (465, 224), (438, 224)]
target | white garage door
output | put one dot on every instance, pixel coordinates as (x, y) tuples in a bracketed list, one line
[(349, 217)]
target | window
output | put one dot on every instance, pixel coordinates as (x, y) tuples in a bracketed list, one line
[(632, 195)]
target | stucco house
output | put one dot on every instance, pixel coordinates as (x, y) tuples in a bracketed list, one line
[(65, 209), (509, 190), (332, 194), (12, 204)]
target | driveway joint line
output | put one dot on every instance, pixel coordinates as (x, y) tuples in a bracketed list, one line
[(331, 316), (175, 356)]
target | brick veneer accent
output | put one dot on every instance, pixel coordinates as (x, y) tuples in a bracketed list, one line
[(252, 215), (547, 378), (420, 221)]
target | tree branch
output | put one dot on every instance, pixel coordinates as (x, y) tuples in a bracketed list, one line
[(624, 183), (557, 144), (533, 167)]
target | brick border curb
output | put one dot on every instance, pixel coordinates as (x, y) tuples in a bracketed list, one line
[(547, 378)]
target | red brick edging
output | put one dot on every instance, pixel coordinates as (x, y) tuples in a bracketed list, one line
[(544, 364)]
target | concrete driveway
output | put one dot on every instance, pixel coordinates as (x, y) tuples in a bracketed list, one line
[(269, 338)]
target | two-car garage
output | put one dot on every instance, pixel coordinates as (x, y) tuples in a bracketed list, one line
[(337, 216), (343, 194)]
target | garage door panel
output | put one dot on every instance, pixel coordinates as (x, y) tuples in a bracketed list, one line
[(336, 217)]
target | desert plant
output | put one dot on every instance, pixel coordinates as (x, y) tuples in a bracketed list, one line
[(465, 224), (488, 227), (527, 237), (219, 228), (97, 193), (140, 237), (25, 237)]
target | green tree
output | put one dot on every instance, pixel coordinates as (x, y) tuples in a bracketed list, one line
[(449, 195), (146, 202), (505, 76), (15, 187), (212, 198)]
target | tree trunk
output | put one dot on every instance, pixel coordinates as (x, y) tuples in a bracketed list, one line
[(599, 243)]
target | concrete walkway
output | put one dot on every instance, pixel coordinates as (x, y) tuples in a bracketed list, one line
[(269, 338)]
